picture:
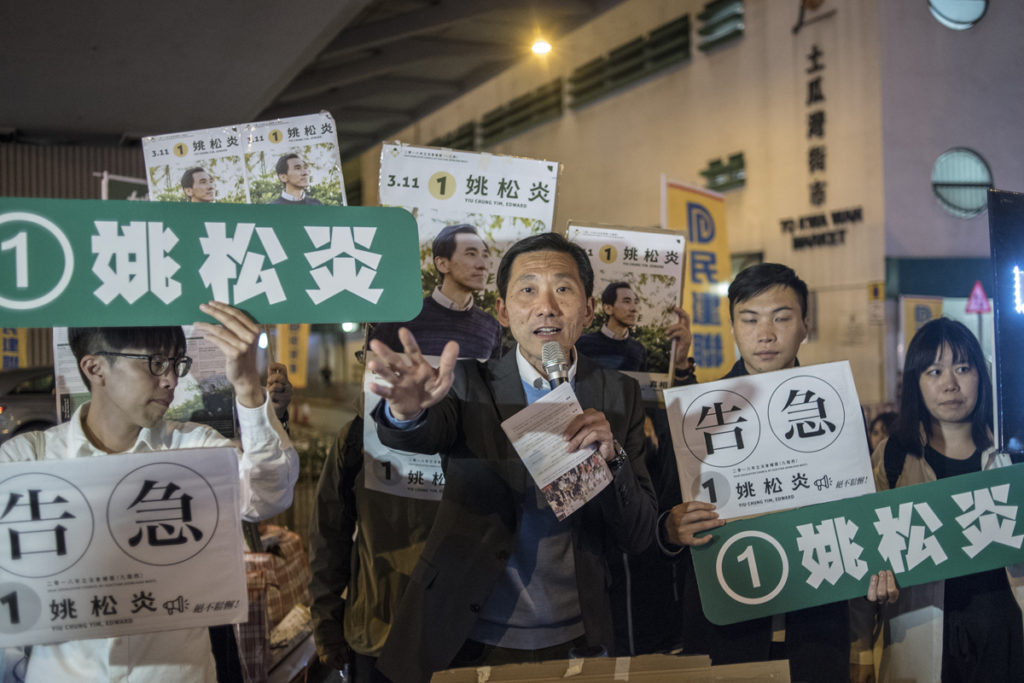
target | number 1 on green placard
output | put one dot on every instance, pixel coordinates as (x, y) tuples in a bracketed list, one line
[(19, 243)]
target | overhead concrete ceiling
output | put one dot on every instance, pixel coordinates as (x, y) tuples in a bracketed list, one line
[(79, 72)]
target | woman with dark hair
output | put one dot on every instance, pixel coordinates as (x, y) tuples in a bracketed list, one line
[(967, 628)]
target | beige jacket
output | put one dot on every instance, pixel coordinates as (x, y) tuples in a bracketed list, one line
[(904, 639)]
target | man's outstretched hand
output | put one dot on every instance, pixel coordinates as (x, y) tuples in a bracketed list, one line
[(415, 384)]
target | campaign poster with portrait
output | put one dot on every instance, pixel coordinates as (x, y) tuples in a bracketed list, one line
[(204, 395), (650, 261), (102, 547), (501, 199), (773, 441), (201, 166), (505, 198), (238, 164), (294, 160)]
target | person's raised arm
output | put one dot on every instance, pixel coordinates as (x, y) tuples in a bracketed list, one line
[(268, 465), (236, 337), (682, 337), (415, 384)]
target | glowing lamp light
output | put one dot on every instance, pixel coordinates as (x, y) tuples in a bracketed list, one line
[(263, 340), (541, 47), (349, 327)]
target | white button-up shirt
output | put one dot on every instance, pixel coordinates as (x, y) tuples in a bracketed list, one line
[(268, 469)]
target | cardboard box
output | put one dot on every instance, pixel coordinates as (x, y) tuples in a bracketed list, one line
[(643, 669)]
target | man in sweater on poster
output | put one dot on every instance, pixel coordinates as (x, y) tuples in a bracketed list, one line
[(293, 172), (392, 528), (461, 259), (612, 346)]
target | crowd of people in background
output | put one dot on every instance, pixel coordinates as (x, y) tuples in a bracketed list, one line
[(509, 579), (488, 574)]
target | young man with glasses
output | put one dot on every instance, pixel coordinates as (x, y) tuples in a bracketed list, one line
[(131, 373)]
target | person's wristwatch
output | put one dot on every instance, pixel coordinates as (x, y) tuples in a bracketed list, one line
[(620, 457)]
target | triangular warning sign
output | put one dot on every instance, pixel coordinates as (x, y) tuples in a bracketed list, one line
[(978, 301)]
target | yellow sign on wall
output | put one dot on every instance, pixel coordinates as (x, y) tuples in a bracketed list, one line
[(13, 348), (915, 311), (293, 351), (701, 215)]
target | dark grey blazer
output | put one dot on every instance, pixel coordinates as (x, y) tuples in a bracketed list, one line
[(475, 528)]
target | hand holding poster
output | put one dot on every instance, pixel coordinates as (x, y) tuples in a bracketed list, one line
[(101, 547), (291, 161), (771, 441)]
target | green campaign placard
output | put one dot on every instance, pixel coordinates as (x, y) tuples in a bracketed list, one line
[(83, 262), (827, 552)]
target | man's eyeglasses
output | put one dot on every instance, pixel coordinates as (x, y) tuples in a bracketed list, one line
[(158, 363)]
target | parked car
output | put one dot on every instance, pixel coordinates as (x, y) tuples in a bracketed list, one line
[(27, 401)]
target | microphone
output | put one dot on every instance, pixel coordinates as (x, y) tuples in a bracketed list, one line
[(554, 362)]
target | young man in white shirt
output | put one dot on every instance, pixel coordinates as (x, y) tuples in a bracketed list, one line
[(131, 373)]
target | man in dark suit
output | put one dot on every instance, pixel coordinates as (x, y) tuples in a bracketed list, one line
[(500, 578)]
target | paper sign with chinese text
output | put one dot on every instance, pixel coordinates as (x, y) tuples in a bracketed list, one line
[(99, 263), (767, 442), (387, 470), (824, 553), (505, 198), (238, 164), (651, 261), (700, 215), (107, 546)]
